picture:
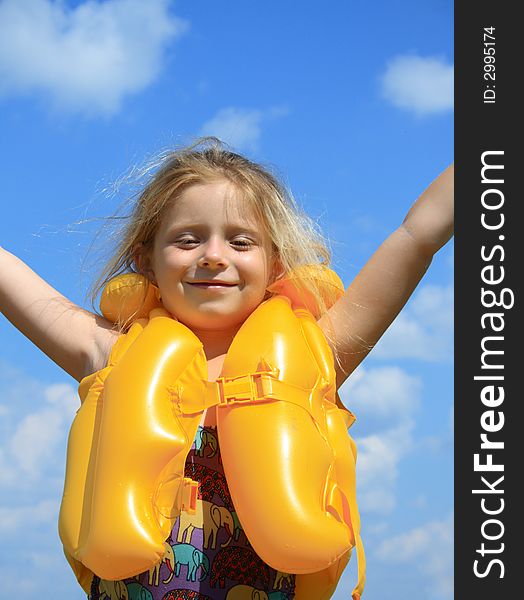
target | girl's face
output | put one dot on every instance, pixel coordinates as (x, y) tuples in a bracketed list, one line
[(210, 258)]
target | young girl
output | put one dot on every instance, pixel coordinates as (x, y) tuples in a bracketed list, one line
[(213, 237)]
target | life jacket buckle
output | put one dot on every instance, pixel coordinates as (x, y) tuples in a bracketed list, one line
[(253, 387)]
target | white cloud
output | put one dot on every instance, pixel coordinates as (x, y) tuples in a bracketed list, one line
[(33, 441), (378, 461), (84, 59), (429, 549), (391, 396), (382, 392), (241, 128), (423, 330), (15, 517), (32, 454), (423, 85)]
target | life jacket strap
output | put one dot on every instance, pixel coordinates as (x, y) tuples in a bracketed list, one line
[(189, 495), (361, 567)]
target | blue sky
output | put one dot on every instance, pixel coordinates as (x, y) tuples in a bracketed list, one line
[(351, 102)]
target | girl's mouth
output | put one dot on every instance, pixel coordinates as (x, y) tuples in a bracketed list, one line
[(211, 285)]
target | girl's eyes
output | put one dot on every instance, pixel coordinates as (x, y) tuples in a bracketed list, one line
[(187, 241), (240, 243)]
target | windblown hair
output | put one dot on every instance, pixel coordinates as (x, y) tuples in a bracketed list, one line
[(296, 240)]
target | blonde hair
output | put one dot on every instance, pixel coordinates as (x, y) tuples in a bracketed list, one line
[(296, 240)]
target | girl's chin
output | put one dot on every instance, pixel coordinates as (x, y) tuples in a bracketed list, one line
[(213, 314), (213, 321)]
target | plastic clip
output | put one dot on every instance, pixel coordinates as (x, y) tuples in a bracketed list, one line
[(252, 387), (189, 495)]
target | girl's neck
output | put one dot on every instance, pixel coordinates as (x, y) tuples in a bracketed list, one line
[(216, 343)]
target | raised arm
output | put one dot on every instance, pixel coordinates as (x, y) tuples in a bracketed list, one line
[(75, 339), (378, 293)]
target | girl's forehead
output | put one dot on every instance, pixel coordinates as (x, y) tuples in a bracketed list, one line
[(218, 201)]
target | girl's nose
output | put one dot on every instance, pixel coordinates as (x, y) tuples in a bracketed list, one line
[(214, 254)]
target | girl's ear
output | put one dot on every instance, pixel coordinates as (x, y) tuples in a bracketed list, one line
[(277, 271), (142, 261)]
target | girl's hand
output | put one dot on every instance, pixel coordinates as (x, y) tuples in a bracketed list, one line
[(75, 339), (378, 293)]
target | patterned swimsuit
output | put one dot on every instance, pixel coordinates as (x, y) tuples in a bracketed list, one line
[(208, 556)]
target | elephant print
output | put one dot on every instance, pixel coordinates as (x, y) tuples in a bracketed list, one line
[(220, 517), (239, 564), (238, 528), (169, 559), (112, 590), (279, 580), (204, 438), (210, 482), (136, 591), (193, 558), (210, 518), (185, 595), (246, 592)]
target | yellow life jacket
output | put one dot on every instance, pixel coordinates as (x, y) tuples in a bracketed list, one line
[(125, 484)]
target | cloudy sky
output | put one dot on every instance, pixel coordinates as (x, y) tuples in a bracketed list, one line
[(351, 102)]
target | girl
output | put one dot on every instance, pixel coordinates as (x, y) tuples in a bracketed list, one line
[(214, 235)]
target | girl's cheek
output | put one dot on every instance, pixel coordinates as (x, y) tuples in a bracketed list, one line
[(177, 260)]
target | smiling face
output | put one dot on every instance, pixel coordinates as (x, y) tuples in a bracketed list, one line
[(210, 258)]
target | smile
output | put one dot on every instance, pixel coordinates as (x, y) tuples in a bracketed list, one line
[(211, 286)]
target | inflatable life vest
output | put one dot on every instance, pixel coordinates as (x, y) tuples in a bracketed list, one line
[(128, 444)]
